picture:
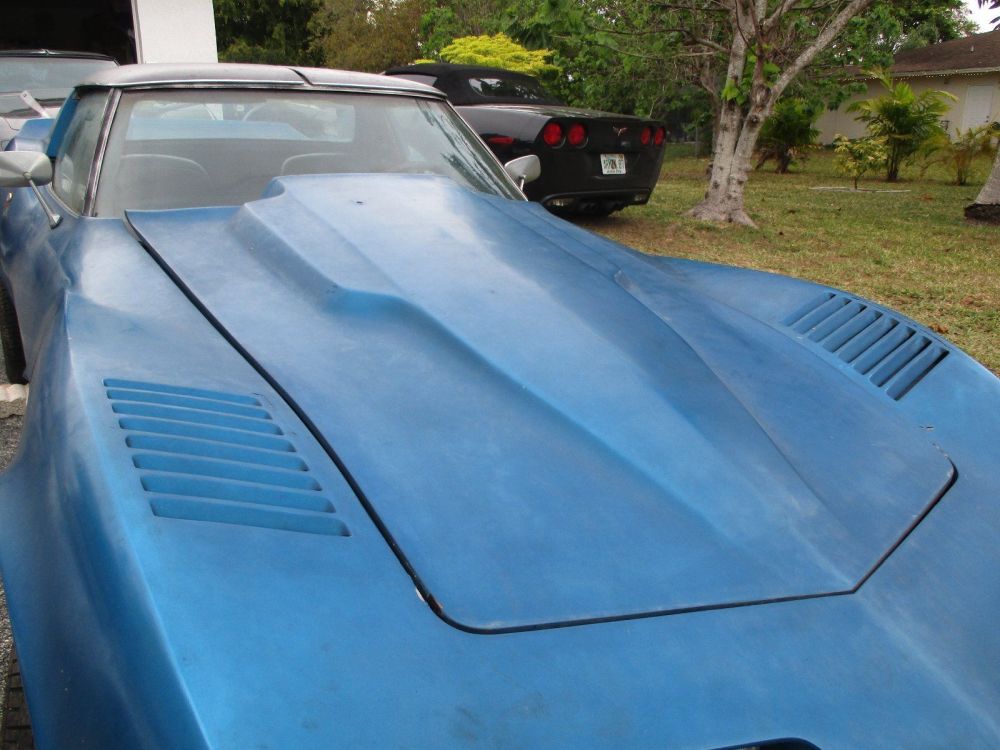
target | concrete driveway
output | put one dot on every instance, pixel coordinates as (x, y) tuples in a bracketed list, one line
[(10, 434)]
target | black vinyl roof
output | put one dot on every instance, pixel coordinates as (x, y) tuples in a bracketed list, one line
[(454, 81), (442, 69)]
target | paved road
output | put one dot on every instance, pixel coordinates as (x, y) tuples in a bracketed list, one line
[(10, 433)]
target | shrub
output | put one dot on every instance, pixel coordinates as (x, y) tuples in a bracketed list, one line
[(787, 133), (498, 51), (858, 157)]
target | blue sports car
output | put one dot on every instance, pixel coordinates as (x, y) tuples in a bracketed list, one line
[(336, 441)]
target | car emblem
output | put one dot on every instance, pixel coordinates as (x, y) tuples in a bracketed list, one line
[(620, 131)]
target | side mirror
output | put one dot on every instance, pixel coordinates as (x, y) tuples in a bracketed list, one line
[(24, 168), (524, 169), (28, 169)]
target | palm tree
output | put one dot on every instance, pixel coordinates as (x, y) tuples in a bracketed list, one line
[(905, 120), (959, 153), (995, 5)]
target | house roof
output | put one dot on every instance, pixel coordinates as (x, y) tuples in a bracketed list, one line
[(979, 53)]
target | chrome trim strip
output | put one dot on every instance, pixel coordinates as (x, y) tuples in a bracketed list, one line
[(90, 196), (258, 84), (251, 82)]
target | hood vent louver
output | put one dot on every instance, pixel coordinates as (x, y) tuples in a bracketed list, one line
[(893, 354), (220, 457)]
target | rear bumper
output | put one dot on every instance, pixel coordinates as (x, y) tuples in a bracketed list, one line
[(573, 179), (587, 199)]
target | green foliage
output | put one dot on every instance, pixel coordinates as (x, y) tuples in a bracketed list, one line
[(906, 120), (858, 157), (639, 57), (872, 38), (654, 59), (918, 23), (265, 31), (438, 27), (933, 21), (604, 69), (367, 35), (788, 132), (666, 60), (733, 92), (958, 154), (498, 51), (446, 21), (739, 92)]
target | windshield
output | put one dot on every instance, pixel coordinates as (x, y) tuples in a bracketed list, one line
[(48, 79), (213, 147)]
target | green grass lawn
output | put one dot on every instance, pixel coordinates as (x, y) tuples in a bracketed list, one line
[(912, 251)]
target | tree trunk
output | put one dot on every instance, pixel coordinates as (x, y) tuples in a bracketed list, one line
[(893, 164), (731, 161), (723, 199), (987, 205), (753, 26), (721, 202)]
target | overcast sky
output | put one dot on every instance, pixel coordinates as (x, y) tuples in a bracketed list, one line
[(982, 16)]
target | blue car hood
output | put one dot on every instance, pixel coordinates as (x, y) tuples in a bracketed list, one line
[(549, 428)]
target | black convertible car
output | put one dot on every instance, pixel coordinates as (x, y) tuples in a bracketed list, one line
[(592, 162)]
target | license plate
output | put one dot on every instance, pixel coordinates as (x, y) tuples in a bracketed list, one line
[(613, 163)]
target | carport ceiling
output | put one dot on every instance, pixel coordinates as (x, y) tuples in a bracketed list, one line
[(87, 25)]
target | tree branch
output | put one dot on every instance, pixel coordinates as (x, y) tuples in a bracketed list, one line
[(780, 12), (827, 35)]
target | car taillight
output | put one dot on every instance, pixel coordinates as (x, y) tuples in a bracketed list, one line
[(501, 140), (660, 135), (577, 134), (647, 135), (552, 134)]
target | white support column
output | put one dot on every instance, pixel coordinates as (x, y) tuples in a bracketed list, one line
[(174, 31)]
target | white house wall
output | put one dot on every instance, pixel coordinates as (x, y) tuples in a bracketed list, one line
[(174, 31), (842, 122)]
